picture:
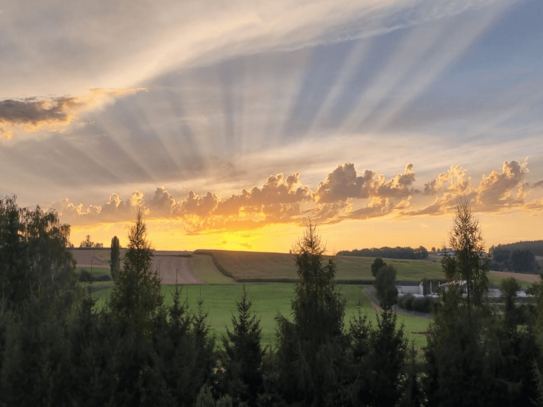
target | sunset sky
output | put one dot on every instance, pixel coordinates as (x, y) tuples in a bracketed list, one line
[(229, 123)]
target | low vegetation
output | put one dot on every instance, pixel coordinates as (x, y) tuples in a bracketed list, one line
[(388, 252)]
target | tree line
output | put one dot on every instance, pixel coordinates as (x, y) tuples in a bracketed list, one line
[(388, 252), (534, 246), (509, 258), (58, 348)]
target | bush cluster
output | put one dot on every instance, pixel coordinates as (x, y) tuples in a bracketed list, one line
[(424, 304)]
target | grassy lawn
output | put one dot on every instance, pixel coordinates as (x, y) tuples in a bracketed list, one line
[(268, 301), (204, 268)]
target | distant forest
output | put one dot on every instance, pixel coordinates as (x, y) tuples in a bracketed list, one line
[(518, 257), (388, 252), (535, 246)]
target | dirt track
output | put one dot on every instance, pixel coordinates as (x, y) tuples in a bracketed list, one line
[(175, 270), (531, 278)]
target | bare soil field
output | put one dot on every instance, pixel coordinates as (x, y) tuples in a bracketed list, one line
[(175, 270), (531, 278)]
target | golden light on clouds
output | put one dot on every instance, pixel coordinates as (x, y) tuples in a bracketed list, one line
[(33, 114), (347, 196)]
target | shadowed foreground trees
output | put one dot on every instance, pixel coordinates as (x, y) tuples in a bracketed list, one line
[(59, 349)]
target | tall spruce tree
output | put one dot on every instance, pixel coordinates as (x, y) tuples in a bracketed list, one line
[(311, 348), (115, 261), (136, 296), (242, 355)]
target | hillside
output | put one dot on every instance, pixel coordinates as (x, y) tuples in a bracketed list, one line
[(277, 267)]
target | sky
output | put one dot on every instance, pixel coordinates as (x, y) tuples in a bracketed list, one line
[(231, 124)]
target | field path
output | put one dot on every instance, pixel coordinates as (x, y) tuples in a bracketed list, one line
[(175, 270)]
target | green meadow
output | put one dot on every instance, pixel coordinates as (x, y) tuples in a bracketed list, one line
[(269, 300)]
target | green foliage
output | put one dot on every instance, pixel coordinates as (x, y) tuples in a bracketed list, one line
[(469, 264), (386, 290), (535, 246), (312, 346), (136, 294), (509, 288), (34, 259), (516, 260), (115, 258), (456, 355), (377, 360), (242, 355), (389, 252), (376, 266)]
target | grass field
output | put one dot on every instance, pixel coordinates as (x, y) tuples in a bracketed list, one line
[(279, 267), (268, 301)]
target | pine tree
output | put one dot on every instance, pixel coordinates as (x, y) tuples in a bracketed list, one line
[(136, 296), (311, 348), (242, 355)]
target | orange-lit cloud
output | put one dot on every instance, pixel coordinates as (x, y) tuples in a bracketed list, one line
[(495, 192), (344, 183), (32, 114), (343, 195)]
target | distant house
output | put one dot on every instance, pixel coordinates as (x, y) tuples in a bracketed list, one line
[(445, 251)]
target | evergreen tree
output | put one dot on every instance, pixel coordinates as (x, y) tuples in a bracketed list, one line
[(242, 355), (464, 350), (136, 296), (115, 261), (311, 348)]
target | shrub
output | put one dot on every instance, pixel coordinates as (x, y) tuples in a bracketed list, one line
[(423, 304), (406, 302), (104, 277), (85, 276)]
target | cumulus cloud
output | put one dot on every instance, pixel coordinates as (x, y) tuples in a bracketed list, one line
[(505, 189), (496, 191), (53, 114), (343, 195), (344, 183), (454, 180)]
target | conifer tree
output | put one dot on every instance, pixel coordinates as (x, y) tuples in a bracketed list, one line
[(242, 355), (115, 261), (136, 296), (311, 348)]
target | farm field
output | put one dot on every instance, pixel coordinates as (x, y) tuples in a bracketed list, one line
[(261, 266), (204, 268), (268, 301), (279, 267)]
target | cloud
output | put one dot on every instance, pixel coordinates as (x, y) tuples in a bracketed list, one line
[(454, 180), (495, 192), (53, 114), (538, 184), (344, 183), (120, 44), (505, 189), (342, 196)]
